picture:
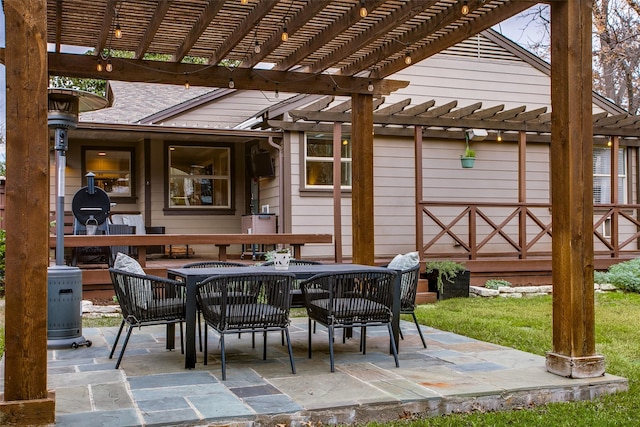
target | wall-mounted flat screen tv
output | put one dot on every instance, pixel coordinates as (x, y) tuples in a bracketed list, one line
[(262, 164)]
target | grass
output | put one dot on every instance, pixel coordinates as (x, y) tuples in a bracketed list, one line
[(525, 324)]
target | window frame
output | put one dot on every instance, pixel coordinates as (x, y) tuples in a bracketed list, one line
[(132, 198), (198, 210), (622, 178), (304, 164)]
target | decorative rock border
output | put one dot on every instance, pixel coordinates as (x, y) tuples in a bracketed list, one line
[(525, 291)]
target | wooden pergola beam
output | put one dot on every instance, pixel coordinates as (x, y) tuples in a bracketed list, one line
[(136, 70)]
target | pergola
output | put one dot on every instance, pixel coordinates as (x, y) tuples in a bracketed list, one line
[(332, 47)]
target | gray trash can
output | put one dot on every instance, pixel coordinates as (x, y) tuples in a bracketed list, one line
[(64, 307)]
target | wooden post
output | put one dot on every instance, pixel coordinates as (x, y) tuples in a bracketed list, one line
[(337, 191), (571, 193), (522, 193), (362, 179), (26, 399), (417, 140)]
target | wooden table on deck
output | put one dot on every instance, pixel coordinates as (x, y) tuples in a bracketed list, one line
[(221, 241), (191, 277)]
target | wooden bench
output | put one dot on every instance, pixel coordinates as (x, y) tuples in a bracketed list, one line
[(221, 241)]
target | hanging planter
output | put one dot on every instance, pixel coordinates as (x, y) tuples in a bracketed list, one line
[(468, 158)]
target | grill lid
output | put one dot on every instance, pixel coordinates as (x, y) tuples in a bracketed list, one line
[(85, 205)]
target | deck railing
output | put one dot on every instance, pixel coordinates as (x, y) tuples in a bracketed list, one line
[(518, 230)]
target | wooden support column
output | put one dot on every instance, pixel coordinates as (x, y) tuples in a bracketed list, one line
[(362, 179), (337, 191), (573, 352), (26, 399), (522, 192), (615, 197), (417, 140)]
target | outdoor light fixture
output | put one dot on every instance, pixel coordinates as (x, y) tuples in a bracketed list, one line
[(499, 137), (475, 134), (187, 85), (407, 58), (244, 1), (370, 86), (465, 8), (231, 83), (285, 35), (609, 142), (109, 66), (363, 9), (256, 48), (99, 66), (118, 32)]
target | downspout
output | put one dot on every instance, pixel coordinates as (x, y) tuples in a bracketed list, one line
[(281, 208)]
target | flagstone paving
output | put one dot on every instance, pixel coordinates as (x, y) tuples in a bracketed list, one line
[(152, 388)]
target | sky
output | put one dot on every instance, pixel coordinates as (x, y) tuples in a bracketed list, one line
[(513, 28)]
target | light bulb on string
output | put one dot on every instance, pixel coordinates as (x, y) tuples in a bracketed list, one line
[(277, 94), (499, 137), (285, 34), (407, 58), (609, 142), (109, 66), (244, 1), (231, 83), (363, 10), (465, 8), (99, 66), (370, 86), (256, 48), (118, 32), (186, 84)]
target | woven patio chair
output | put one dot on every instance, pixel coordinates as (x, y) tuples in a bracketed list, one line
[(408, 290), (147, 300), (210, 264), (251, 302), (348, 300)]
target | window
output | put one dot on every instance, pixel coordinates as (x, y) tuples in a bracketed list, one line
[(199, 177), (318, 161), (112, 169), (602, 175)]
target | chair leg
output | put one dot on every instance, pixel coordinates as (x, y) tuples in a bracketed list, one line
[(182, 340), (124, 346), (199, 330), (393, 345), (363, 339), (206, 341), (264, 345), (401, 335), (224, 366), (309, 344), (331, 331), (419, 330), (293, 366), (115, 343)]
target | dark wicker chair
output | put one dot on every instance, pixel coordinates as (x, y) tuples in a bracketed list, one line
[(114, 250), (408, 289), (210, 264), (297, 301), (347, 300), (147, 300), (252, 302)]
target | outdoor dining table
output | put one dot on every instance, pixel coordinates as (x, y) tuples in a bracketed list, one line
[(192, 276)]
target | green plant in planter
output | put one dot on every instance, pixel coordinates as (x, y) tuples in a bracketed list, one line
[(445, 270), (497, 283), (469, 153), (270, 255)]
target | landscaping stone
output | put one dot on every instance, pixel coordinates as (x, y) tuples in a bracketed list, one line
[(526, 291)]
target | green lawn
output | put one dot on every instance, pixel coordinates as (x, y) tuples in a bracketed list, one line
[(525, 324)]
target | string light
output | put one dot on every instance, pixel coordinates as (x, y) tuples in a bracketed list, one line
[(256, 47), (363, 9), (109, 66), (609, 142), (285, 35), (370, 86), (244, 1), (499, 137), (186, 84), (277, 92), (231, 83), (99, 66), (118, 31), (465, 8), (407, 58)]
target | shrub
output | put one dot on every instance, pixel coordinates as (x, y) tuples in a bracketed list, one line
[(497, 283), (625, 275), (445, 270), (600, 277)]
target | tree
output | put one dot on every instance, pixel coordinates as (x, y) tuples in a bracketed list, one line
[(616, 47)]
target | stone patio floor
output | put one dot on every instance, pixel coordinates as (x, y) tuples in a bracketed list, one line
[(152, 388)]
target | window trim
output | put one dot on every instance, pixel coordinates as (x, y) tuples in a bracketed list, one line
[(132, 170), (623, 193), (169, 210)]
